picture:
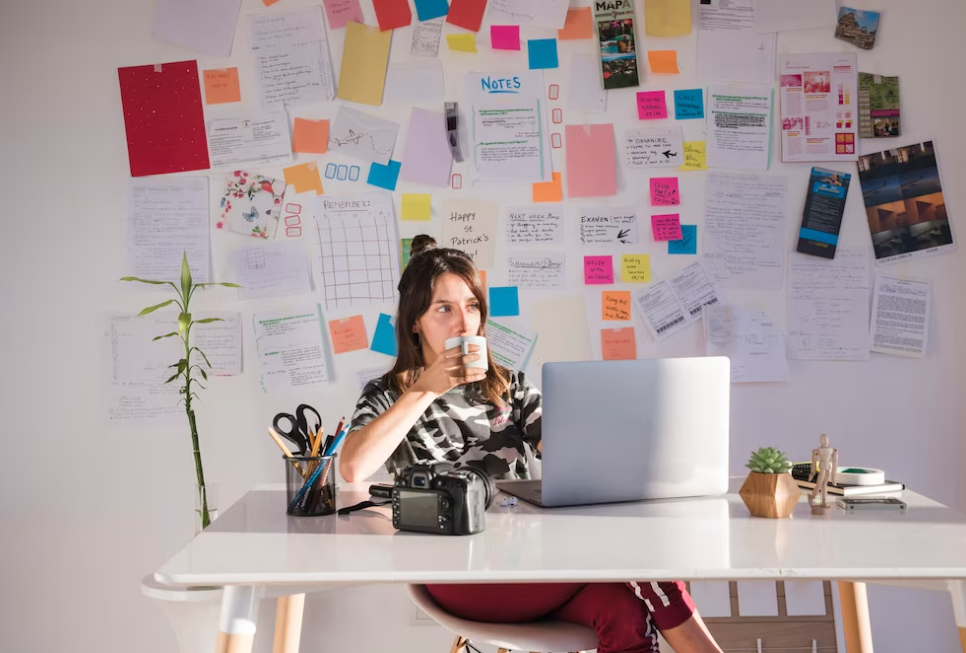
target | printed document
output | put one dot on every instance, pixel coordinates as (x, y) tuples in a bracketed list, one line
[(668, 306), (290, 349), (263, 140), (510, 346), (426, 37), (750, 339), (739, 127), (900, 316), (783, 15), (729, 49), (221, 342), (548, 14), (136, 368), (274, 269)]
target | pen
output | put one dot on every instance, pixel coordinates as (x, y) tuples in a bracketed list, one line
[(338, 440)]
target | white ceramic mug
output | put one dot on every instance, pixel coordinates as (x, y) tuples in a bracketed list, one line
[(464, 342)]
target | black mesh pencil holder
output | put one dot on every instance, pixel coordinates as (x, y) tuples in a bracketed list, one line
[(310, 485)]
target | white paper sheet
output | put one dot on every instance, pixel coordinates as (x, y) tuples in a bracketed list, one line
[(645, 148), (221, 342), (426, 37), (554, 343), (739, 127), (757, 598), (356, 250), (291, 55), (271, 269), (510, 345), (202, 25), (368, 374), (264, 140), (168, 218), (782, 15), (290, 349), (729, 49), (711, 597), (550, 14), (804, 598), (668, 306), (744, 224), (362, 136), (609, 226), (585, 92), (536, 269), (472, 226), (414, 82), (900, 316), (535, 225), (828, 305), (750, 339)]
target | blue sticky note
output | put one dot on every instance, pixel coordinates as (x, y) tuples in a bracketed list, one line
[(384, 340), (504, 301), (689, 104), (543, 53), (430, 9), (688, 243), (384, 176)]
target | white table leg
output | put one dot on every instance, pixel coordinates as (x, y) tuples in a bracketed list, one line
[(288, 623), (957, 589), (855, 617), (239, 613)]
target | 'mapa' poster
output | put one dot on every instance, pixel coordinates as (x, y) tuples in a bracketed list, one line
[(618, 45)]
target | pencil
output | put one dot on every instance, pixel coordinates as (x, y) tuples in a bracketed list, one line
[(317, 442), (288, 454)]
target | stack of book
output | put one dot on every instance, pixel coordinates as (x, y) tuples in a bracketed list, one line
[(801, 472)]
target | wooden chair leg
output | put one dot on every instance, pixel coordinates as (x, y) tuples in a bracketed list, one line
[(502, 650), (459, 645)]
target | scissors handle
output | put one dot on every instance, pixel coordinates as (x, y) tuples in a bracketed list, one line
[(301, 410), (291, 433)]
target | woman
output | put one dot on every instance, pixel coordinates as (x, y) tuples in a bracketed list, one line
[(430, 407)]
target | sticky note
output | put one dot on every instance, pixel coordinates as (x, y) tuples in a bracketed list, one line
[(548, 191), (384, 340), (635, 268), (663, 61), (695, 156), (340, 12), (269, 3), (688, 244), (579, 25), (365, 56), (221, 86), (482, 274), (664, 191), (461, 42), (467, 14), (666, 227), (504, 301), (406, 245), (430, 9), (651, 105), (668, 17), (310, 136), (304, 177), (417, 206), (616, 305), (348, 334), (598, 270), (618, 344), (542, 53), (384, 176), (689, 104), (505, 37), (591, 160), (392, 14)]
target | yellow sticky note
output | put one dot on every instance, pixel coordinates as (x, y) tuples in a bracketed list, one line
[(695, 156), (461, 42), (304, 177), (548, 191), (364, 60), (667, 17), (663, 61), (635, 268), (416, 206)]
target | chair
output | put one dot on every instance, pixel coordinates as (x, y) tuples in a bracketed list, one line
[(536, 637)]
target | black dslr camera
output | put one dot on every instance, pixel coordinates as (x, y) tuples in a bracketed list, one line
[(440, 499)]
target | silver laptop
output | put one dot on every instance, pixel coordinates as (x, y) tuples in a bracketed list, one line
[(630, 430)]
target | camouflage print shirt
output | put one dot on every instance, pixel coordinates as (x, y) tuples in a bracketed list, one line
[(463, 428)]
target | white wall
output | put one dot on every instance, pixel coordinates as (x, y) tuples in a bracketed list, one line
[(87, 508)]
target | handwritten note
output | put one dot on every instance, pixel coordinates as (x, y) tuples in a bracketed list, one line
[(666, 227), (663, 61), (636, 268), (618, 344), (646, 149), (695, 156), (609, 227), (651, 105), (471, 225), (664, 191), (417, 206), (534, 224), (550, 14), (339, 12), (687, 244), (616, 305), (310, 136), (598, 270), (536, 269), (348, 334), (426, 36), (221, 86), (689, 104)]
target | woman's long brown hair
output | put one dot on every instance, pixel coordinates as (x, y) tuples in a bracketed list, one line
[(416, 287)]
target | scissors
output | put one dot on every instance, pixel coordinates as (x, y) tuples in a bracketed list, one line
[(298, 431)]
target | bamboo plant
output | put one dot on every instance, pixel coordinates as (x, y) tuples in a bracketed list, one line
[(185, 366)]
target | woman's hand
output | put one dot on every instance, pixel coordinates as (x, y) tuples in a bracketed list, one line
[(449, 370)]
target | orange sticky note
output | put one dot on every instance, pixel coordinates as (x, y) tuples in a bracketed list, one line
[(348, 334), (548, 191), (269, 3), (310, 136), (221, 86), (616, 305), (618, 344), (579, 25), (304, 177), (482, 279), (663, 61)]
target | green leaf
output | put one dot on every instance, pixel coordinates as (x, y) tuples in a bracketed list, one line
[(183, 321), (151, 309), (202, 355), (224, 283), (209, 319), (173, 377), (205, 376), (167, 335), (185, 277), (180, 365), (156, 283)]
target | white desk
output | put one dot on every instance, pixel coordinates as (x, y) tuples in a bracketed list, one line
[(254, 545)]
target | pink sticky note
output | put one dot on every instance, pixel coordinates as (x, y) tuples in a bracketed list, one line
[(598, 270), (664, 191), (591, 162), (651, 105), (505, 37), (340, 12), (666, 227)]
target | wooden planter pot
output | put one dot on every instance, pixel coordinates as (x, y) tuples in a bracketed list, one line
[(770, 495)]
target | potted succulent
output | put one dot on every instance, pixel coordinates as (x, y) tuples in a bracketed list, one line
[(769, 491)]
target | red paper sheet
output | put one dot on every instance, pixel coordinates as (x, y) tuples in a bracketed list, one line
[(163, 118), (392, 14), (467, 14)]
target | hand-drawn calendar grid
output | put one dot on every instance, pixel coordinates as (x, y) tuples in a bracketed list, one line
[(358, 258)]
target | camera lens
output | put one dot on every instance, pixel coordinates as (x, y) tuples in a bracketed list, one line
[(419, 480)]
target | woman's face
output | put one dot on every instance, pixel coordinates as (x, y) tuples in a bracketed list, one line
[(453, 312)]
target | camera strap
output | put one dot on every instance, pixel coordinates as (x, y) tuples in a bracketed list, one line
[(363, 505)]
